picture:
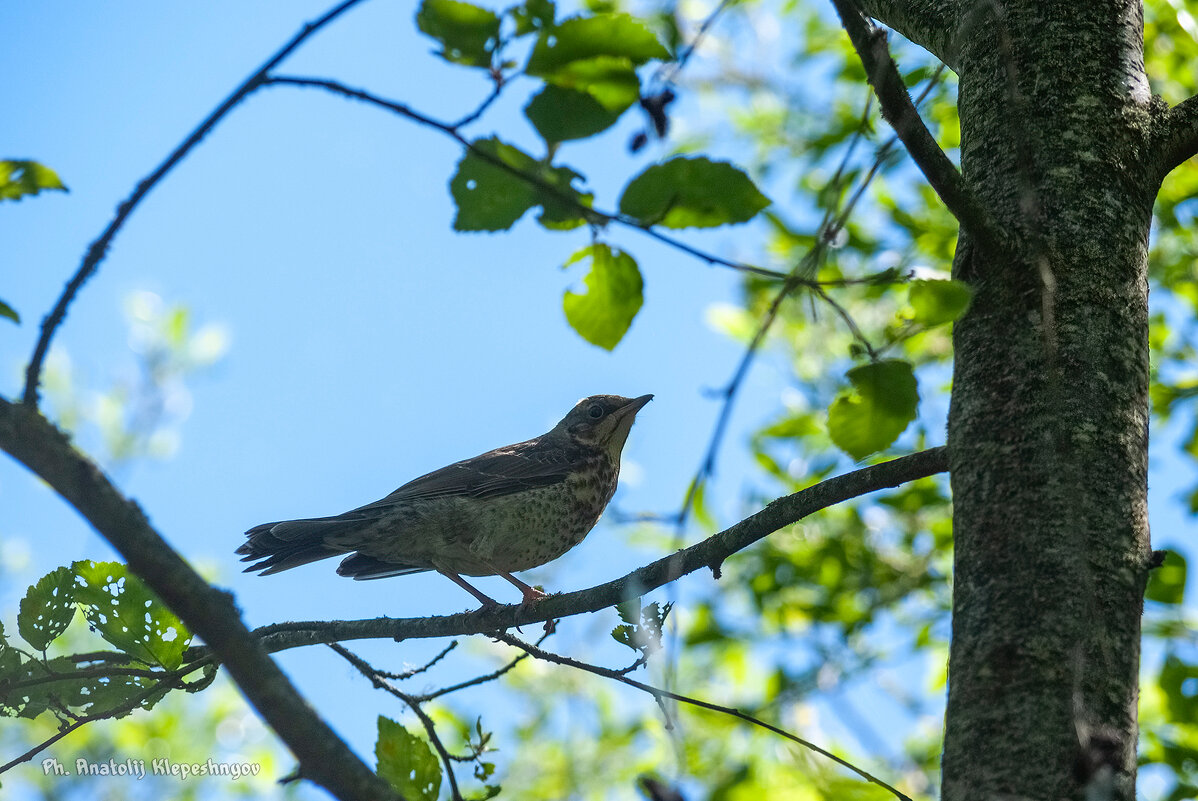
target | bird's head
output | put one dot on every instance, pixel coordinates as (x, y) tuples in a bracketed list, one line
[(602, 421)]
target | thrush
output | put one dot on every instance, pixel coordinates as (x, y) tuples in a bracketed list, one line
[(510, 509)]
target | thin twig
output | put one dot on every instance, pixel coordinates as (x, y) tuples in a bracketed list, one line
[(377, 679), (99, 248), (477, 680), (496, 89), (659, 693), (407, 674)]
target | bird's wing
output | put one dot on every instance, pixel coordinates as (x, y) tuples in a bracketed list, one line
[(498, 472)]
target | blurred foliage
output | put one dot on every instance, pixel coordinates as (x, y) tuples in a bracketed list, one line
[(140, 413)]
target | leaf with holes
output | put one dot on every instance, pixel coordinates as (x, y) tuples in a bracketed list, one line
[(468, 34), (692, 193), (615, 292), (127, 614), (406, 762), (47, 608), (883, 403), (496, 183), (20, 178)]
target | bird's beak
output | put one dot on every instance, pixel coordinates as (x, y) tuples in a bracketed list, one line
[(633, 406)]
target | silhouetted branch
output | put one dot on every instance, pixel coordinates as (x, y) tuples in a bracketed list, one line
[(208, 612), (99, 248)]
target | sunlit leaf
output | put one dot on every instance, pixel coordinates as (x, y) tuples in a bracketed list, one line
[(882, 404), (580, 38), (47, 608), (583, 98), (496, 183), (692, 193), (614, 295), (406, 762), (20, 177), (467, 33), (127, 614), (1167, 583), (938, 302)]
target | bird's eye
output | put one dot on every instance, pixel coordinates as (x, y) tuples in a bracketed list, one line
[(595, 411)]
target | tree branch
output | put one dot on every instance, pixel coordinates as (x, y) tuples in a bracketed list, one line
[(709, 553), (208, 612), (99, 248), (931, 24), (870, 44), (1177, 133)]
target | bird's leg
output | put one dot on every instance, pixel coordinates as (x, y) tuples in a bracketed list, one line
[(530, 593), (487, 601)]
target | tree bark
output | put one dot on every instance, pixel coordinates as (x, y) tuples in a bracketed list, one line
[(1048, 426)]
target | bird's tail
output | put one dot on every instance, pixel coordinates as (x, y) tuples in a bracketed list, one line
[(274, 547)]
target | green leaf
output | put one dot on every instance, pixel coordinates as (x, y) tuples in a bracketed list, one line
[(9, 312), (613, 297), (630, 610), (20, 177), (1177, 681), (584, 98), (692, 193), (533, 15), (488, 197), (883, 402), (468, 34), (938, 302), (47, 608), (580, 38), (1167, 583), (491, 197), (127, 614), (406, 762), (562, 114)]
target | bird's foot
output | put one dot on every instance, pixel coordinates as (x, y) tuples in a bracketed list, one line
[(531, 595)]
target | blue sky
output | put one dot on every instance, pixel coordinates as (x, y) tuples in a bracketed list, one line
[(368, 342)]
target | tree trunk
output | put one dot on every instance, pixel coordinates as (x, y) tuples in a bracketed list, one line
[(1048, 428)]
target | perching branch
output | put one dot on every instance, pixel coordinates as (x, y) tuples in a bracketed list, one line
[(659, 694), (208, 612), (1177, 134), (870, 44), (98, 249), (709, 553)]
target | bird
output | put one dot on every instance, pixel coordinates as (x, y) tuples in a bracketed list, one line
[(504, 511)]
